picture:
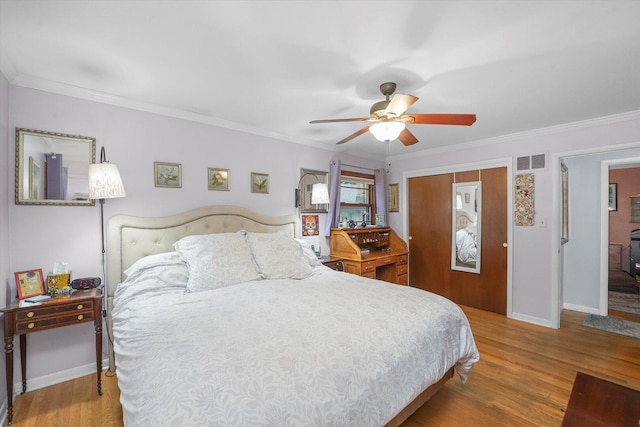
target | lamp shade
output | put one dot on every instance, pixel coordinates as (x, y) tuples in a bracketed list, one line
[(105, 181), (387, 131), (319, 193)]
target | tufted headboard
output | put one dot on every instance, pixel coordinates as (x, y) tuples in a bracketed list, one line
[(130, 238), (463, 219)]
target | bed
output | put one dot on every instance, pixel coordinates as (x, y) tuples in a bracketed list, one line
[(298, 344)]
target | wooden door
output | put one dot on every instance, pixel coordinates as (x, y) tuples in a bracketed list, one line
[(429, 246), (430, 206)]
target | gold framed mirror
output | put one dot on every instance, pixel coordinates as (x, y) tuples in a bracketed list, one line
[(466, 226), (52, 168)]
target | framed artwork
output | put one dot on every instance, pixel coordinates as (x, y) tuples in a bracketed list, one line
[(394, 197), (310, 225), (218, 179), (259, 183), (308, 177), (524, 200), (613, 197), (35, 180), (30, 283), (57, 282), (167, 175)]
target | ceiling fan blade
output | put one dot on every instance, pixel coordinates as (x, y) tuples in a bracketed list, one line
[(407, 138), (399, 104), (358, 119), (443, 119), (353, 135)]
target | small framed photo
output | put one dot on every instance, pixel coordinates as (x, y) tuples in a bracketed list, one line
[(167, 175), (394, 197), (30, 283), (259, 183), (218, 179), (613, 197)]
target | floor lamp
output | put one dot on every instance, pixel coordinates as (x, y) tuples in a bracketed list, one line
[(104, 183)]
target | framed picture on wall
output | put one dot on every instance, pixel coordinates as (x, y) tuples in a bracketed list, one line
[(218, 179), (613, 197), (167, 175), (259, 183), (394, 195), (30, 283)]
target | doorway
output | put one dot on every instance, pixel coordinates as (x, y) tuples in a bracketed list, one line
[(430, 204)]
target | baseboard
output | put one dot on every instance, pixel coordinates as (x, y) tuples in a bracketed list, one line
[(51, 379), (530, 319), (580, 308)]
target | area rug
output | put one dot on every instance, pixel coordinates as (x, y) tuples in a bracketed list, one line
[(624, 302), (606, 323)]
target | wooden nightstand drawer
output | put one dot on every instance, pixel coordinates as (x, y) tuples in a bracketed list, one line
[(403, 259), (54, 310), (42, 323), (370, 275)]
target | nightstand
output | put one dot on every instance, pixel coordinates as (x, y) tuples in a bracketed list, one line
[(333, 263), (23, 318)]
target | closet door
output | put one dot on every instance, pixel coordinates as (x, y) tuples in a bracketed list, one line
[(430, 233), (430, 211)]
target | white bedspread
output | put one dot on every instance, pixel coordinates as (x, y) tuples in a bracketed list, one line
[(333, 349)]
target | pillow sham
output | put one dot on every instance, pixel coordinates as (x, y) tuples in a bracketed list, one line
[(308, 253), (278, 256), (216, 260), (156, 260)]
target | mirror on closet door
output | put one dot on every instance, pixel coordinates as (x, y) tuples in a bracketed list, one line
[(53, 168), (466, 235)]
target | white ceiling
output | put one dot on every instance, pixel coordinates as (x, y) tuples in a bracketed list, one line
[(269, 67)]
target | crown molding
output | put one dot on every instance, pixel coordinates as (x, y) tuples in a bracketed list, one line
[(118, 101), (31, 82), (598, 121)]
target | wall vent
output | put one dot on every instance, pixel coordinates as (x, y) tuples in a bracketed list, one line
[(537, 161)]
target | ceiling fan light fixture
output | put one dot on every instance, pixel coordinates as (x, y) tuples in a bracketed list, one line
[(387, 131)]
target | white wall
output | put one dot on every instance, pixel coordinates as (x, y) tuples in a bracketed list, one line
[(534, 285), (42, 235), (6, 190)]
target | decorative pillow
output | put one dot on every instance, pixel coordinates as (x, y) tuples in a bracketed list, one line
[(308, 253), (278, 256), (216, 260), (157, 260)]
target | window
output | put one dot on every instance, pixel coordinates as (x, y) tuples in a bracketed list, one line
[(357, 197)]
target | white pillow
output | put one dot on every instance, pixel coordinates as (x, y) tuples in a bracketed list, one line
[(278, 256), (216, 260), (156, 260), (308, 253)]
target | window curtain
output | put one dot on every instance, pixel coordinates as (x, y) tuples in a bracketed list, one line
[(333, 215), (381, 193)]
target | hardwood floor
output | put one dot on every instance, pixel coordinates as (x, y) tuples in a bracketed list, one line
[(524, 378)]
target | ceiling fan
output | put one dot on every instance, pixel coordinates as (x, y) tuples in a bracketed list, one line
[(389, 121)]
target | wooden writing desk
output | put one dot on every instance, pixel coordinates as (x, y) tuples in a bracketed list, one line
[(374, 252)]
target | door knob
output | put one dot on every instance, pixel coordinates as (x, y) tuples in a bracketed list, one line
[(504, 245), (410, 237)]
